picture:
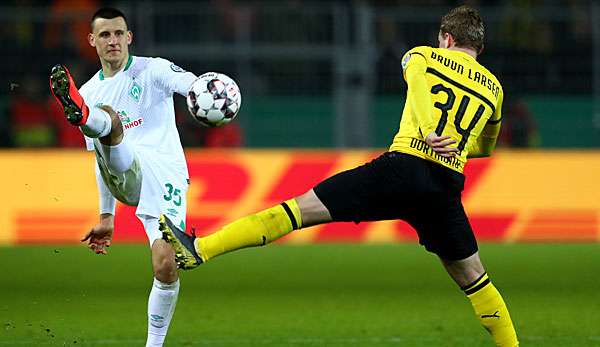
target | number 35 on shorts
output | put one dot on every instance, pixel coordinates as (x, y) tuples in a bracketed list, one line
[(173, 194)]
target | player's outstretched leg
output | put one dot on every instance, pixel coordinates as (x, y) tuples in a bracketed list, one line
[(66, 94), (94, 122), (257, 229), (186, 255)]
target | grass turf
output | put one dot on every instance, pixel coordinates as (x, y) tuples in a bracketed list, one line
[(319, 295)]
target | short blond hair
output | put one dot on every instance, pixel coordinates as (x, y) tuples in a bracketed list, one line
[(466, 27)]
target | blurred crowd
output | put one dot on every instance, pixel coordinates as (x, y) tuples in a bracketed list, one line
[(531, 48)]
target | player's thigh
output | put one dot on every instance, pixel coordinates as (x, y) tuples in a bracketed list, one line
[(378, 190), (125, 186), (443, 228), (162, 195), (118, 158), (174, 198)]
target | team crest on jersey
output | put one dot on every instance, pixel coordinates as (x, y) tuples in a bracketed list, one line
[(135, 92), (405, 60), (176, 68)]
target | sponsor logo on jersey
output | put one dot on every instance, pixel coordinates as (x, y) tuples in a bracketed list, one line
[(134, 123), (176, 68), (135, 92), (124, 117), (127, 122)]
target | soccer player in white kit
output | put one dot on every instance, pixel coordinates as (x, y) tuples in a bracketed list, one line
[(127, 116)]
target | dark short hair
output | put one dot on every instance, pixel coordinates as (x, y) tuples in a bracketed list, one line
[(466, 27), (108, 13)]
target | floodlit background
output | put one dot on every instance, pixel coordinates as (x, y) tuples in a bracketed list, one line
[(322, 92), (319, 74)]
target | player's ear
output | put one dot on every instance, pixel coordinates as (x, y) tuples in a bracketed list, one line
[(451, 42), (91, 40), (129, 37)]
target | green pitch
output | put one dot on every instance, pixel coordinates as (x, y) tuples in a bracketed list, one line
[(325, 295)]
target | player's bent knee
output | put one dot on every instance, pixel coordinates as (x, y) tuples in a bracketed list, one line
[(313, 211), (165, 270), (116, 132), (163, 262)]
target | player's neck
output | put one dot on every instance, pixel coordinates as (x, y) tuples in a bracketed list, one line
[(110, 69), (469, 51)]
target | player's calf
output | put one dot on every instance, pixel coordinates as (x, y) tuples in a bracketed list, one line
[(115, 136), (490, 308)]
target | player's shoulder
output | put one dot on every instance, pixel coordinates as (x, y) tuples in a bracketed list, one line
[(162, 63), (490, 75), (422, 50), (137, 59), (147, 66), (419, 51)]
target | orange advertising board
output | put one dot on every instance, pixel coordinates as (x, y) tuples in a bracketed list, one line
[(51, 196)]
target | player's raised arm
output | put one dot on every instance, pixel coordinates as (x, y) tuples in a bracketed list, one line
[(486, 142), (99, 237), (172, 78)]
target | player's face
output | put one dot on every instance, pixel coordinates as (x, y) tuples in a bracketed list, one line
[(111, 39)]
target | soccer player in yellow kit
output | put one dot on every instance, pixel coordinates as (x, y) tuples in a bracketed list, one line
[(452, 112)]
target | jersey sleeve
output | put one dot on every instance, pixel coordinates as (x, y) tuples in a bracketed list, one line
[(497, 116), (107, 201), (171, 78), (414, 67), (486, 142)]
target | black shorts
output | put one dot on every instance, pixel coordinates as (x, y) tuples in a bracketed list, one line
[(401, 186)]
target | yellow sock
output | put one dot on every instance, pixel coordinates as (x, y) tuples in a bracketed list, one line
[(492, 311), (254, 230)]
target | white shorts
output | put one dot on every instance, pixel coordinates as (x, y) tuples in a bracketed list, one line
[(153, 183)]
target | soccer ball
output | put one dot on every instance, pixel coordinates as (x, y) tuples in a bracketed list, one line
[(214, 99)]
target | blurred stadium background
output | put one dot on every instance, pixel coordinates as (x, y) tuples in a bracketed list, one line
[(315, 74), (322, 91)]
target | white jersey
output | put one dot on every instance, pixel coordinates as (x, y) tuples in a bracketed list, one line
[(142, 96)]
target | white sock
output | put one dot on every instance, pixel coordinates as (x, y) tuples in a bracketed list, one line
[(98, 123), (161, 304)]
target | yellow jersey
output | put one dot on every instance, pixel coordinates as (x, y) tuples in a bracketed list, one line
[(450, 93)]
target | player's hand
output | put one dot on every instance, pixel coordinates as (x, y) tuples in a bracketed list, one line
[(108, 109), (100, 236), (440, 145)]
